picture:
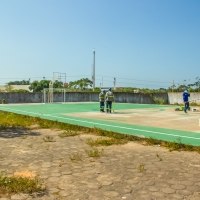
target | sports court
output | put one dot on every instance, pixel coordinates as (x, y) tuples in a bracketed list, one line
[(144, 120)]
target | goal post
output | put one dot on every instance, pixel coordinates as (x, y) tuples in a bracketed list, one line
[(54, 95)]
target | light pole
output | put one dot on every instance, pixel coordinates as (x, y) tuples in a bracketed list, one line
[(93, 69)]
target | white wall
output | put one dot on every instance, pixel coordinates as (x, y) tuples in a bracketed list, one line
[(176, 97)]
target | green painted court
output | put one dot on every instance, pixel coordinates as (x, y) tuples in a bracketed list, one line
[(145, 120)]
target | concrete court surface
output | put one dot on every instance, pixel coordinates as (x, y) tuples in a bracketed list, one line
[(131, 171), (162, 117), (148, 120)]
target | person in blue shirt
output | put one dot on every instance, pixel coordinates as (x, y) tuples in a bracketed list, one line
[(186, 100)]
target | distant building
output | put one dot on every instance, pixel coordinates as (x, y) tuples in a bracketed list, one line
[(16, 87)]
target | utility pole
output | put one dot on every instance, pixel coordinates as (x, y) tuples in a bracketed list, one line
[(93, 74), (114, 83), (172, 85)]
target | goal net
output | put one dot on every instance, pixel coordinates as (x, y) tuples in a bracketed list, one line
[(54, 95)]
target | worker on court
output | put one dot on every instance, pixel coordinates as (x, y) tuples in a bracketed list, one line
[(102, 100), (109, 100), (185, 100)]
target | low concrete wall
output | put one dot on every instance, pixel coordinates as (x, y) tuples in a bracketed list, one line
[(12, 97), (176, 97), (120, 97)]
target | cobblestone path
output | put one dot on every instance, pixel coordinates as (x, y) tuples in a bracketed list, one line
[(131, 171)]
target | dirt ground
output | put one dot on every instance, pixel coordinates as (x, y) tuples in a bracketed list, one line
[(161, 118)]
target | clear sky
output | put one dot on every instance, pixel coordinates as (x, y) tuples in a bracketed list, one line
[(143, 43)]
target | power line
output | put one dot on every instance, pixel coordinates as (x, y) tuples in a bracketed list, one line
[(130, 83), (96, 75), (134, 79), (45, 77)]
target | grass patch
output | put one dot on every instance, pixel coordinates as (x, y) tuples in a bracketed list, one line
[(95, 152), (68, 134), (49, 139), (105, 142), (14, 120), (75, 157), (15, 185)]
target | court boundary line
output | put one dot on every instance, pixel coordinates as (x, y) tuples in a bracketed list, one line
[(108, 125)]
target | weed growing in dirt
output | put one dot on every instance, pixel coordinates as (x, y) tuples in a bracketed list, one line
[(24, 137), (30, 145), (74, 157), (141, 168), (104, 141), (152, 141), (49, 139), (173, 146), (14, 185), (68, 134), (61, 163), (47, 147), (95, 152), (160, 159)]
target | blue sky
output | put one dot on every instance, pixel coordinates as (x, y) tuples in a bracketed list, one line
[(143, 43)]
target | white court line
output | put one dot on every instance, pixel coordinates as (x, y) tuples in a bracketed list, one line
[(121, 127), (23, 111)]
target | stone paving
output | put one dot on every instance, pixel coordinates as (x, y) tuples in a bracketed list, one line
[(131, 171)]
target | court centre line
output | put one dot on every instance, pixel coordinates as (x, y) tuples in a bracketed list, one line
[(121, 127)]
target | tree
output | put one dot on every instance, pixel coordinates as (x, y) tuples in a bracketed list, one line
[(81, 84), (20, 90), (58, 84), (39, 86), (23, 82)]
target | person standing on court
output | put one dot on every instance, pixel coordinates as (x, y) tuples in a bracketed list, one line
[(102, 100), (109, 100), (186, 100)]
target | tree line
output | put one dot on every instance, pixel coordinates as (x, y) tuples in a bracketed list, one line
[(85, 84)]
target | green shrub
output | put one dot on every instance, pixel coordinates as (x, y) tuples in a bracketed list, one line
[(158, 100), (3, 101)]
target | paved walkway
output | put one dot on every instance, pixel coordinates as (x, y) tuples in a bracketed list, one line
[(131, 171)]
